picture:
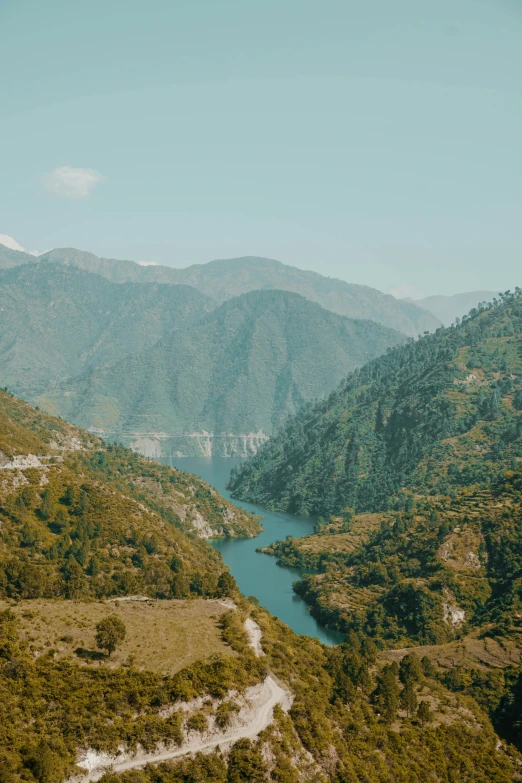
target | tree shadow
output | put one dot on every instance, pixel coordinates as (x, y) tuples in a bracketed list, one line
[(89, 655)]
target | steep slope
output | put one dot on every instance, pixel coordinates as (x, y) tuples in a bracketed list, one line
[(226, 383), (57, 321), (223, 279), (448, 308), (447, 567), (79, 519), (425, 418)]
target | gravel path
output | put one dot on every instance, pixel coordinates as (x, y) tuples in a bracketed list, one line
[(254, 634), (250, 721), (255, 714)]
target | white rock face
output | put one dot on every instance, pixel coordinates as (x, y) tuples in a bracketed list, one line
[(22, 461), (454, 615)]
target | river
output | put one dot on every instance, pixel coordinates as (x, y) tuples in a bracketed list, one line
[(257, 574)]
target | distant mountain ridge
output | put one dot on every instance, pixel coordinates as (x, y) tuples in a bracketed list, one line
[(223, 385), (448, 308), (56, 322), (226, 278)]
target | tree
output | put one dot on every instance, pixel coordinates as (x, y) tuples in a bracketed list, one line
[(245, 762), (110, 632), (94, 566), (386, 695), (408, 699), (428, 668), (226, 585), (410, 669), (424, 713), (69, 495), (369, 650), (47, 765), (47, 507), (74, 579)]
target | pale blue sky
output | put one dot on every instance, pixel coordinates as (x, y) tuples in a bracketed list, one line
[(375, 141)]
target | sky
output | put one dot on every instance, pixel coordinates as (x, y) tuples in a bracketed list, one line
[(373, 141)]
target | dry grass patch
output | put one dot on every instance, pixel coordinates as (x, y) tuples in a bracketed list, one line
[(362, 527), (162, 636), (469, 652)]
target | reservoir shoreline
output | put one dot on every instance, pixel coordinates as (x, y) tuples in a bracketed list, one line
[(258, 574)]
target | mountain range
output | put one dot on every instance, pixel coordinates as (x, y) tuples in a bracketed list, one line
[(225, 384), (223, 279), (56, 322), (205, 360), (448, 308)]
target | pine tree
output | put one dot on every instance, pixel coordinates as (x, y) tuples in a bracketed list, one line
[(408, 699), (386, 695), (424, 713), (47, 507), (410, 669)]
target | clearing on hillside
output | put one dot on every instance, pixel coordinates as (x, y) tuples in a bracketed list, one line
[(162, 636)]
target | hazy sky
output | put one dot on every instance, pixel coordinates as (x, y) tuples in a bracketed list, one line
[(376, 141)]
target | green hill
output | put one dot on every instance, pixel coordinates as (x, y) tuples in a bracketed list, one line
[(57, 321), (425, 418), (79, 519), (447, 568), (226, 383), (223, 279)]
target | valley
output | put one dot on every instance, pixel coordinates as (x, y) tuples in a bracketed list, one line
[(255, 574), (260, 392), (371, 517)]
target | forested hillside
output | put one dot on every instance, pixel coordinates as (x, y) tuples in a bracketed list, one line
[(425, 419), (228, 382), (227, 278), (448, 567), (81, 519), (56, 322)]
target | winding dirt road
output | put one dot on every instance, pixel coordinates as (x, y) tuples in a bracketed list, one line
[(254, 715), (254, 634)]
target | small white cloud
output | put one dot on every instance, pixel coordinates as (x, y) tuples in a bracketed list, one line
[(148, 263), (12, 244), (405, 291), (68, 182)]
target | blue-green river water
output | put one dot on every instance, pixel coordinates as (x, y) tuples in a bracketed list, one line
[(257, 574)]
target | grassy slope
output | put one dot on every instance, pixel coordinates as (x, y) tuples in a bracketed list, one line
[(163, 636)]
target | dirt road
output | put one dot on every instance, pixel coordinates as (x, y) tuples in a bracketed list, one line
[(254, 716)]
